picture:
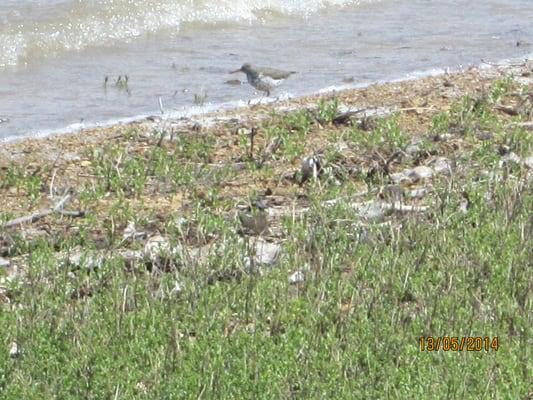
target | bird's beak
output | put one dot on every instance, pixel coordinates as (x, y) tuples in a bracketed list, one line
[(234, 72)]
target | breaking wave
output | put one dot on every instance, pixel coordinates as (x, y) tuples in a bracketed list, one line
[(31, 30)]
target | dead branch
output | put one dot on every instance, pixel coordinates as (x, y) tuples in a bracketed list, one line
[(526, 125), (58, 208), (507, 110)]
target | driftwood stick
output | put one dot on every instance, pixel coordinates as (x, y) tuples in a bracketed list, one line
[(28, 218), (526, 125), (58, 208)]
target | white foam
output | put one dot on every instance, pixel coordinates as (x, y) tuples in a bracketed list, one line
[(78, 25)]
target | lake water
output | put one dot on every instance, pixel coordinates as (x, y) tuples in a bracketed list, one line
[(55, 54)]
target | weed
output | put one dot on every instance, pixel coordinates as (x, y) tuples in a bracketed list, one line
[(327, 110)]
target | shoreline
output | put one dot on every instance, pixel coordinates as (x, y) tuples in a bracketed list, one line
[(237, 109), (197, 112)]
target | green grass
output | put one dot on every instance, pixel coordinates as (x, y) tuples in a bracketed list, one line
[(351, 330)]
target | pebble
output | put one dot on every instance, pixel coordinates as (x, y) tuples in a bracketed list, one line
[(420, 173)]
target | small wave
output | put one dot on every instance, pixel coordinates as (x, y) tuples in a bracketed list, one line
[(82, 24)]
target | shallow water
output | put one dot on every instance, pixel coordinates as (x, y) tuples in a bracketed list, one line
[(54, 54)]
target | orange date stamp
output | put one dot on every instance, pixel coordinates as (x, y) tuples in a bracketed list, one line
[(456, 343)]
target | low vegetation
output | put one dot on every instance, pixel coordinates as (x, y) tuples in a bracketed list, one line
[(337, 313)]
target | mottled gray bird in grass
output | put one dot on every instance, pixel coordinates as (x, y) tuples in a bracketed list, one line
[(264, 79)]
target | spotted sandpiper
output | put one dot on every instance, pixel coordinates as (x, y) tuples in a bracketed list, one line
[(264, 79), (254, 219)]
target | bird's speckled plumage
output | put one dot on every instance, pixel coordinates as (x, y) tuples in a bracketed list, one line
[(264, 79)]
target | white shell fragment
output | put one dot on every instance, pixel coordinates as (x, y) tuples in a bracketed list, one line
[(297, 277), (15, 351)]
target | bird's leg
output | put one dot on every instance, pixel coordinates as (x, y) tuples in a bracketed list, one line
[(261, 99)]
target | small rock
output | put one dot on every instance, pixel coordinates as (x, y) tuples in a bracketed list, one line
[(80, 259), (85, 163), (132, 233), (420, 173), (510, 157), (15, 351), (156, 247), (267, 253), (297, 277), (177, 289), (443, 166), (371, 211), (4, 263), (419, 193), (413, 149)]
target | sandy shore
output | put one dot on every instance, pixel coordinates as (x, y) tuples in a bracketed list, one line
[(416, 93)]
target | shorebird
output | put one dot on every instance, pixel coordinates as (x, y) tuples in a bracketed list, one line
[(254, 218), (263, 79)]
